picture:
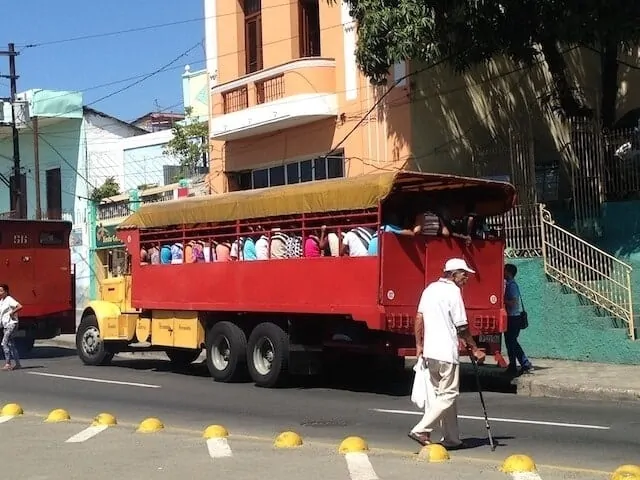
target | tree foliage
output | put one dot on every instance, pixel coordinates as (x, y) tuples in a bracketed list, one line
[(471, 32), (109, 188), (189, 144)]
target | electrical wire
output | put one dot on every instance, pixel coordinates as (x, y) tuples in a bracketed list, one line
[(141, 29)]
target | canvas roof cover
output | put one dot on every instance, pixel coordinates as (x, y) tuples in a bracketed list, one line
[(354, 193)]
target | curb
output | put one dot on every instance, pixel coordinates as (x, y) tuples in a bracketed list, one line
[(533, 387)]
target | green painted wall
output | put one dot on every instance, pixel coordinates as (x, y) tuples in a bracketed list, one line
[(560, 327)]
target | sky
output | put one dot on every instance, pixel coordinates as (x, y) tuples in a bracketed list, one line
[(85, 64)]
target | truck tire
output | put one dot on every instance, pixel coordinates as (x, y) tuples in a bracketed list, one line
[(90, 347), (268, 355), (182, 358), (226, 347)]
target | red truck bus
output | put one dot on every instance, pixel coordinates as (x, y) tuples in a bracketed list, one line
[(35, 261), (280, 316)]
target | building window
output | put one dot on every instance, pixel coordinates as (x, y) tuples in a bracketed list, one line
[(309, 28), (253, 34), (54, 194), (320, 168)]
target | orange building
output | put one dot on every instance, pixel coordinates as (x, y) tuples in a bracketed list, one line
[(288, 103)]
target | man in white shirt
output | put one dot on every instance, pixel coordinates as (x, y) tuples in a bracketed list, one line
[(442, 320)]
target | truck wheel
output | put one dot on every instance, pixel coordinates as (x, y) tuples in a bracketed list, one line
[(268, 355), (182, 357), (227, 352), (90, 347)]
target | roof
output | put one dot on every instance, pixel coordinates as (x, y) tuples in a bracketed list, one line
[(86, 109), (356, 193)]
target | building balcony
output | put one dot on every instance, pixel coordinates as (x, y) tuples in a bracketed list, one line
[(288, 95)]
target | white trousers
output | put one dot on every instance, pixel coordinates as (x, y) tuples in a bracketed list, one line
[(442, 411)]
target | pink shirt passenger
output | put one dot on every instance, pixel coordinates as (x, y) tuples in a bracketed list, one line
[(312, 247), (223, 252)]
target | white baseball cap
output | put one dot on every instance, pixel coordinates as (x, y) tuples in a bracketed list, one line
[(454, 264)]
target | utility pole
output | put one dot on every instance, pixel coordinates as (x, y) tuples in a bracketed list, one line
[(18, 196), (36, 161)]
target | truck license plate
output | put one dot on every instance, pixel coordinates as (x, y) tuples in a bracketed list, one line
[(489, 339)]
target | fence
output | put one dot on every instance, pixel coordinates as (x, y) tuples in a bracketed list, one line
[(590, 272), (521, 227)]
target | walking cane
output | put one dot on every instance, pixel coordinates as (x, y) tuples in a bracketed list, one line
[(484, 407)]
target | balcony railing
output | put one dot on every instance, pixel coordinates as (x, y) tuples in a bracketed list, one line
[(270, 89), (236, 99), (311, 75), (110, 210)]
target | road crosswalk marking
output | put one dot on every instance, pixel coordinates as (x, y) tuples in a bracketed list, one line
[(87, 433), (219, 448)]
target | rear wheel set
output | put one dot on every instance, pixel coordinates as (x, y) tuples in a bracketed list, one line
[(264, 357)]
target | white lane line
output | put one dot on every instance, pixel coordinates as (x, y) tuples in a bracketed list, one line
[(6, 418), (360, 467), (525, 476), (95, 380), (219, 448), (503, 420), (87, 433)]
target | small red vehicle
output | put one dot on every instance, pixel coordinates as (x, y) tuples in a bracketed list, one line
[(35, 261), (269, 318)]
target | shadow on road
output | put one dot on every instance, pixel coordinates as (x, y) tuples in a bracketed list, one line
[(350, 376), (47, 352)]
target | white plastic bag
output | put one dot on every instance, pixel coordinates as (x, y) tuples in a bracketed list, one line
[(420, 391)]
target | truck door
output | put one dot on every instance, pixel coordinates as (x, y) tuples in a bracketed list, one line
[(402, 263), (484, 291)]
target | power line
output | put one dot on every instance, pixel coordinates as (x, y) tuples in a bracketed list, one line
[(141, 29)]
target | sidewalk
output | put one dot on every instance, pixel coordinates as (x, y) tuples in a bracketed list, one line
[(552, 378)]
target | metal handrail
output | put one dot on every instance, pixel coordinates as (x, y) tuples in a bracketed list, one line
[(589, 271)]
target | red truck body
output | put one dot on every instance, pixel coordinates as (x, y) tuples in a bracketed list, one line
[(35, 261), (372, 299)]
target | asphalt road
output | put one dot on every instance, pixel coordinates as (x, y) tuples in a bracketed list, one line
[(563, 434)]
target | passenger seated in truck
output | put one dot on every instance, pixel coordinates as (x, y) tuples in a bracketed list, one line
[(165, 254), (294, 246), (475, 225), (188, 252), (177, 253), (144, 256), (356, 242), (330, 244), (249, 246), (278, 245), (431, 224), (154, 254), (208, 251), (235, 253), (262, 248), (391, 224), (198, 251), (223, 251), (312, 244)]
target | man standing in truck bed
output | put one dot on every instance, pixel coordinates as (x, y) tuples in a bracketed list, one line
[(440, 321)]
